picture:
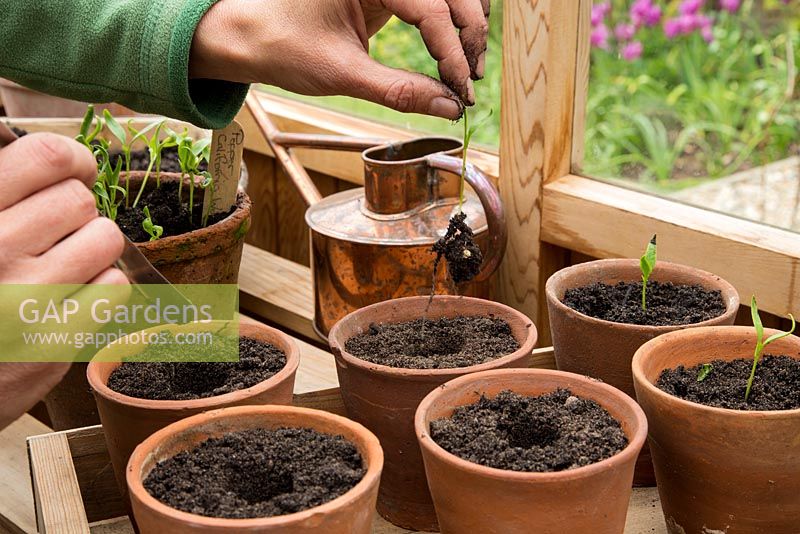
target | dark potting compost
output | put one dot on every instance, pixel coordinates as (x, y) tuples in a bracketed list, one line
[(776, 385), (443, 343), (140, 160), (257, 473), (458, 248), (551, 432), (165, 211), (188, 380), (668, 304)]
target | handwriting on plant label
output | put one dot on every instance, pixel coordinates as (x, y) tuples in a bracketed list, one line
[(227, 146)]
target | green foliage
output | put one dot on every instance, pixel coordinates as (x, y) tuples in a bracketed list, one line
[(692, 109), (190, 156), (647, 263), (153, 230), (705, 369), (760, 342)]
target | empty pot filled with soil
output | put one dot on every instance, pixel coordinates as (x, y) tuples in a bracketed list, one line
[(534, 447), (257, 469), (136, 398), (723, 463), (187, 252), (597, 321), (390, 355)]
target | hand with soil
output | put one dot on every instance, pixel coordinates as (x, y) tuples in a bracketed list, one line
[(50, 233), (320, 47)]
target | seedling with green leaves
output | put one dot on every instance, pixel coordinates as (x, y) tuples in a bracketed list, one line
[(761, 343), (469, 131), (109, 194), (705, 369), (153, 230), (647, 263)]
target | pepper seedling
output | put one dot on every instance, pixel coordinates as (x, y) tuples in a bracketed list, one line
[(705, 369), (647, 263), (154, 149), (761, 343), (153, 230)]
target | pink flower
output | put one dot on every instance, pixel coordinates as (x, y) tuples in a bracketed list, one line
[(632, 51), (599, 36), (690, 7), (599, 12), (653, 16), (672, 28), (688, 23), (731, 6), (624, 32), (708, 33)]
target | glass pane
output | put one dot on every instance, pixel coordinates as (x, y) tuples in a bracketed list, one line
[(400, 45), (696, 100)]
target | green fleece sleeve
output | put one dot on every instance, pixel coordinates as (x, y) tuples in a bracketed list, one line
[(134, 52)]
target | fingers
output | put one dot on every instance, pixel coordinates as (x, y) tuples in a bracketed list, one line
[(24, 384), (82, 256), (435, 22), (111, 276), (40, 160), (55, 212), (401, 90), (471, 18)]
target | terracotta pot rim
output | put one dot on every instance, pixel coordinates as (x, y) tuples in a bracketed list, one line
[(369, 446), (731, 303), (228, 224), (664, 397), (291, 350), (526, 345), (635, 442)]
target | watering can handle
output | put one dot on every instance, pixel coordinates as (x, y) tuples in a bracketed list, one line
[(492, 206)]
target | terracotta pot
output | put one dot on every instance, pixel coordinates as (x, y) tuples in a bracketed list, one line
[(127, 421), (384, 399), (351, 513), (19, 101), (70, 404), (209, 255), (590, 499), (719, 470), (604, 349)]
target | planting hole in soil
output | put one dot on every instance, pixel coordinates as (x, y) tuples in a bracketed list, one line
[(188, 380), (552, 432), (257, 473), (443, 343), (166, 211), (668, 304), (776, 385)]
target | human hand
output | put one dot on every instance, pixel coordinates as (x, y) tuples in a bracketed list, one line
[(319, 47), (50, 233)]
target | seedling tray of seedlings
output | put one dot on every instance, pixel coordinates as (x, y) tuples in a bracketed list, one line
[(75, 491)]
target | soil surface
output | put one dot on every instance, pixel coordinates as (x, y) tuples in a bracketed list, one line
[(140, 159), (552, 432), (667, 303), (458, 248), (258, 473), (165, 211), (776, 385), (197, 380), (443, 343)]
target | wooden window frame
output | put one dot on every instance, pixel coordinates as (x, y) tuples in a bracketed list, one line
[(550, 206)]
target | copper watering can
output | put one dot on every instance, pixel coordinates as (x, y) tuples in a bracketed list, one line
[(374, 243)]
